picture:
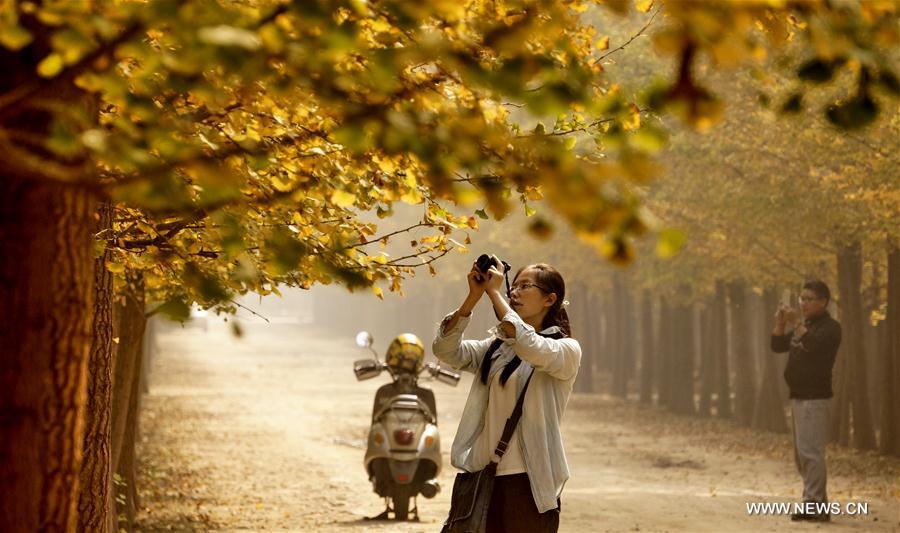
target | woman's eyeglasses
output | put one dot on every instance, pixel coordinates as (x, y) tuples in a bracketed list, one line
[(525, 285)]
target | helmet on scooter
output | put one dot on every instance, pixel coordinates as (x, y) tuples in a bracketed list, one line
[(406, 354)]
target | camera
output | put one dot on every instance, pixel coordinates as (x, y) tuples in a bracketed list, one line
[(485, 262)]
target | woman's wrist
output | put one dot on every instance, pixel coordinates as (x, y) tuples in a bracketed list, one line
[(469, 304)]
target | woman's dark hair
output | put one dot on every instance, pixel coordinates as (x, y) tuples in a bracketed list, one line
[(550, 280), (819, 287)]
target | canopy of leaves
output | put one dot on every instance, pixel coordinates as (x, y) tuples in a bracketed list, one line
[(241, 140)]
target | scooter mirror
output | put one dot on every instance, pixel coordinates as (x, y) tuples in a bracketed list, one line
[(366, 369), (364, 339), (447, 376)]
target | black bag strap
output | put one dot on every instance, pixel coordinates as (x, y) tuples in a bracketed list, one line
[(486, 362)]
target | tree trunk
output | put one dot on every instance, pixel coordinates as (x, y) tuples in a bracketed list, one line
[(890, 396), (852, 321), (648, 362), (127, 467), (131, 321), (581, 324), (768, 411), (46, 305), (719, 346), (622, 359), (682, 391), (743, 357), (707, 361), (93, 502), (666, 338)]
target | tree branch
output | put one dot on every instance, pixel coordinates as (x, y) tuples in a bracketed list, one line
[(633, 37)]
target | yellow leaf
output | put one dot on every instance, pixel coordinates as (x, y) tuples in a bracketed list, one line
[(14, 37), (603, 43), (115, 340), (669, 243), (378, 292), (413, 197), (381, 259), (115, 268), (50, 66), (643, 5), (343, 198)]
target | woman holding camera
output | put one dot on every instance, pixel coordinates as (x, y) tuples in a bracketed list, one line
[(532, 339)]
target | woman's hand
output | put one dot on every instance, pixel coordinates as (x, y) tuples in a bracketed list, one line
[(495, 277), (476, 282)]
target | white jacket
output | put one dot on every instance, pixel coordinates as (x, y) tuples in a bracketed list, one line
[(556, 363)]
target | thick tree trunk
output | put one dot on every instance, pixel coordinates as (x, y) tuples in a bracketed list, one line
[(93, 502), (744, 364), (852, 321), (768, 411), (648, 355), (46, 305), (890, 376)]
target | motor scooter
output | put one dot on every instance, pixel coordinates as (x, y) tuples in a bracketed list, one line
[(403, 454)]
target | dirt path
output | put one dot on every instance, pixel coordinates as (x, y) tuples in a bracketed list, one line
[(266, 432)]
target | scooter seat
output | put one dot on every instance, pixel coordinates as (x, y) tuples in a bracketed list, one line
[(406, 401)]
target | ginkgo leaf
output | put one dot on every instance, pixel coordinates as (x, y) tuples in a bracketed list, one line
[(602, 43), (50, 66), (343, 198)]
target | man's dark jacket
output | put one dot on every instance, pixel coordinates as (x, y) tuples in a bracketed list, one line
[(808, 372)]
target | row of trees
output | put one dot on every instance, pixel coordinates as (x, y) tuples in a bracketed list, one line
[(176, 152)]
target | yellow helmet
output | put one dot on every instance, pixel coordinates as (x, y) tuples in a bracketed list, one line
[(406, 354)]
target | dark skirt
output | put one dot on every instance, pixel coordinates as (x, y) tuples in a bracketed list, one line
[(513, 510)]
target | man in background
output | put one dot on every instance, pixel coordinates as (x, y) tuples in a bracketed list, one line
[(813, 344)]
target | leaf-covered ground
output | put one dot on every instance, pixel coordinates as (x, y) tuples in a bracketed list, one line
[(266, 432)]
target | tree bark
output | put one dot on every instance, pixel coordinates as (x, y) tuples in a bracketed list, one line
[(890, 394), (46, 305), (852, 322), (96, 479)]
